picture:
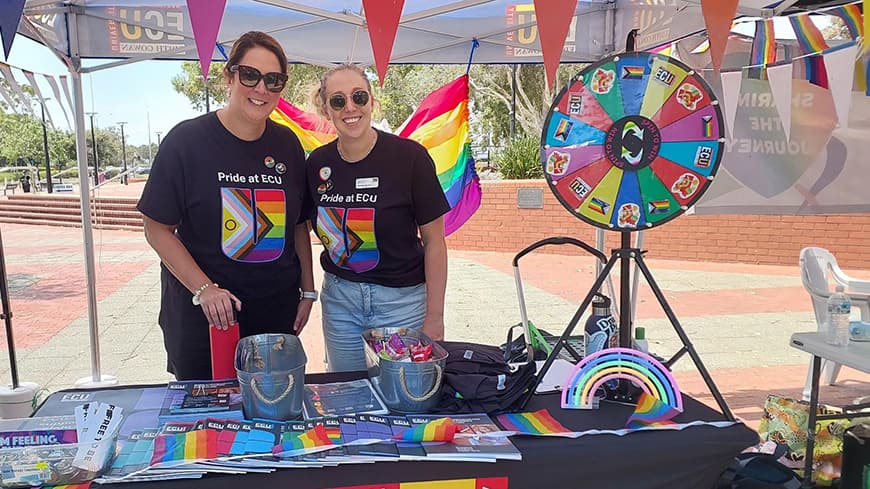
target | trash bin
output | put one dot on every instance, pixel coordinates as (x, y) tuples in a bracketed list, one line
[(271, 371), (406, 387)]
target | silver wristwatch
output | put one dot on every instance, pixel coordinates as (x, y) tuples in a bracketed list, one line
[(310, 294)]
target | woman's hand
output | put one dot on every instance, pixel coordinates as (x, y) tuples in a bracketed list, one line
[(433, 327), (219, 306), (302, 313)]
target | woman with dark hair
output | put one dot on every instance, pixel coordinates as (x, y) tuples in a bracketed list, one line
[(379, 217), (225, 209)]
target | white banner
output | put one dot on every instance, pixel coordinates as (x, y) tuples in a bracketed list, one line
[(32, 79), (822, 169)]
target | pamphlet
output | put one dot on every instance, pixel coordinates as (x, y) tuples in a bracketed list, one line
[(341, 398)]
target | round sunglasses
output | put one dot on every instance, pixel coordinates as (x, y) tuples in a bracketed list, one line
[(360, 99), (250, 77)]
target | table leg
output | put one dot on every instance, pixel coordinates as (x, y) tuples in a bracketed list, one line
[(811, 422)]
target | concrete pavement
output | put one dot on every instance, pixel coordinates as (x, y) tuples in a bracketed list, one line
[(738, 316)]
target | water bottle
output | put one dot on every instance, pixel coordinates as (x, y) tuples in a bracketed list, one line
[(839, 307), (601, 326)]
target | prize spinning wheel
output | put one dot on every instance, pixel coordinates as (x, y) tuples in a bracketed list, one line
[(632, 141)]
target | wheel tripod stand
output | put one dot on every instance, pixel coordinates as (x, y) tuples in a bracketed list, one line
[(624, 255)]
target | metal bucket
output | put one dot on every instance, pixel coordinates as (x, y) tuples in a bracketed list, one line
[(406, 387), (271, 371)]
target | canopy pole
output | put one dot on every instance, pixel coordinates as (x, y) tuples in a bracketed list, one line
[(96, 380)]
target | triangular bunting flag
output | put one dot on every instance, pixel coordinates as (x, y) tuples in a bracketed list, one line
[(32, 79), (65, 87), (554, 19), (718, 15), (6, 71), (779, 77), (56, 91), (205, 19), (730, 96), (10, 15), (840, 65), (7, 97), (382, 18)]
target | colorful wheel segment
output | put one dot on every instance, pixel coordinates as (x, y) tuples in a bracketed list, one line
[(632, 141)]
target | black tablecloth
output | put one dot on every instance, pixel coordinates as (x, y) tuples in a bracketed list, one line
[(691, 458)]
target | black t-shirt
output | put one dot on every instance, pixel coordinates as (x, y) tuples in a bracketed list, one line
[(368, 212), (235, 202)]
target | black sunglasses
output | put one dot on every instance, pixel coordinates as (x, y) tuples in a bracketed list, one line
[(250, 77), (338, 101)]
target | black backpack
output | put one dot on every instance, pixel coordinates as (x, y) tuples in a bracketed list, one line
[(759, 471)]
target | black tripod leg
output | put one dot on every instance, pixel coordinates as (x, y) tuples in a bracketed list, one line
[(570, 328), (638, 258)]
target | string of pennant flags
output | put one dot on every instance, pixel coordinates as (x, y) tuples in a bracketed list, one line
[(840, 68), (11, 91)]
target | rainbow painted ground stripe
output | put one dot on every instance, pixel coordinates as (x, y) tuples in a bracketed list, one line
[(641, 369)]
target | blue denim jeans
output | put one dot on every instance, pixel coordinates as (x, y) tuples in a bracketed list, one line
[(349, 308)]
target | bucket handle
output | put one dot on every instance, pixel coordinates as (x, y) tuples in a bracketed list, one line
[(432, 392), (261, 397)]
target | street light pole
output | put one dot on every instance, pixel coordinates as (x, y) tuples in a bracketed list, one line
[(123, 152), (94, 144), (45, 147)]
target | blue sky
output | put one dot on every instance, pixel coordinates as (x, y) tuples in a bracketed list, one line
[(131, 93)]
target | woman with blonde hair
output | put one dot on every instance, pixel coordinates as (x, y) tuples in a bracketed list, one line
[(379, 214)]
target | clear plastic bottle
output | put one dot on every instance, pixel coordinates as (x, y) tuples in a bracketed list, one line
[(839, 307)]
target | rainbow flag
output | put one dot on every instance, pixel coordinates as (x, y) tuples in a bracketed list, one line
[(441, 429), (851, 17), (193, 445), (659, 206), (310, 441), (632, 72), (809, 37), (311, 129), (650, 412), (763, 48), (440, 124), (538, 423)]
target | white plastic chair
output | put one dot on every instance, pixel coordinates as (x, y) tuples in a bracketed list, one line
[(820, 275)]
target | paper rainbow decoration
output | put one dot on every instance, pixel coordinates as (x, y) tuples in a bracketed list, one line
[(638, 367)]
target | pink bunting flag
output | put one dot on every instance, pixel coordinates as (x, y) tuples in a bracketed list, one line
[(382, 18), (205, 19), (554, 19)]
